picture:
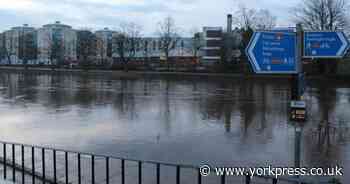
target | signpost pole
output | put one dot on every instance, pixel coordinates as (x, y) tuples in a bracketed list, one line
[(298, 85), (298, 79), (297, 145)]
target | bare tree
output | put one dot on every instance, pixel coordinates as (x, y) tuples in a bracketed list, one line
[(197, 43), (168, 34), (265, 20), (322, 14), (145, 51), (86, 47), (27, 47), (254, 19), (101, 49), (245, 18), (126, 41)]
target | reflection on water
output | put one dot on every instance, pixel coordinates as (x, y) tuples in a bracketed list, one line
[(182, 120)]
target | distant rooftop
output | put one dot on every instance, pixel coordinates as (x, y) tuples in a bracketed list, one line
[(212, 28), (57, 24), (106, 29), (23, 27)]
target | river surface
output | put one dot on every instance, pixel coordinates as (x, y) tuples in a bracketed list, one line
[(188, 120)]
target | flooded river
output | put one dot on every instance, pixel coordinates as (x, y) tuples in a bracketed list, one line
[(188, 120)]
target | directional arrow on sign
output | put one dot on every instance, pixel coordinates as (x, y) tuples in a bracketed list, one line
[(273, 52), (325, 44)]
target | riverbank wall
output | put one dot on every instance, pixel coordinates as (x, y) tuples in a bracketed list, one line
[(343, 74)]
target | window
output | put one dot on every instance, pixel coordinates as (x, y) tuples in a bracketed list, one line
[(159, 45), (154, 45)]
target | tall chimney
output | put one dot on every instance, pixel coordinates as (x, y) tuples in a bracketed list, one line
[(229, 23)]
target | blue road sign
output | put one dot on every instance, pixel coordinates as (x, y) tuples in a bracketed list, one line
[(273, 52), (325, 44)]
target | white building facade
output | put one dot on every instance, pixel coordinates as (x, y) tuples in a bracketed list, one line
[(151, 47), (57, 43), (56, 40), (213, 44)]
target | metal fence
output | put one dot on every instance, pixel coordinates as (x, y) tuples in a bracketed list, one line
[(30, 164)]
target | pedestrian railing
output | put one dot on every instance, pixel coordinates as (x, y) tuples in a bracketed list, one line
[(21, 164)]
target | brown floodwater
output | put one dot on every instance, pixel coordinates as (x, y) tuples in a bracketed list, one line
[(188, 120)]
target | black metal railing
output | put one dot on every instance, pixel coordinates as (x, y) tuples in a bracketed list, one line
[(33, 173)]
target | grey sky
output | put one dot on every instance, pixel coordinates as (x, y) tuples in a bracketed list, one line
[(96, 14)]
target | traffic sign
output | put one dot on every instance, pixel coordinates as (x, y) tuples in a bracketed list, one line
[(325, 44), (273, 52), (298, 104), (298, 111)]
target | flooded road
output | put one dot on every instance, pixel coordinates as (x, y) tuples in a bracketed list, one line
[(197, 120)]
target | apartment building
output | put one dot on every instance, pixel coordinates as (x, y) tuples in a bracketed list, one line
[(20, 44), (104, 45), (57, 43), (212, 45), (2, 44), (220, 45)]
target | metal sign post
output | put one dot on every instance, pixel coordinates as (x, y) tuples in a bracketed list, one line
[(298, 114), (297, 86), (300, 108), (297, 147)]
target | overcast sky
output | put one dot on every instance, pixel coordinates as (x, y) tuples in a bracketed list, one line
[(97, 14)]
